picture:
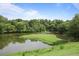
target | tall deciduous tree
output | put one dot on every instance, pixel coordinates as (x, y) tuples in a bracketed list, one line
[(9, 28), (74, 27)]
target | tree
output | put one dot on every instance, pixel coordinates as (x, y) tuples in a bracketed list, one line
[(18, 20), (36, 26), (62, 28), (3, 19), (46, 23), (9, 28), (55, 26), (20, 27), (74, 27), (2, 27)]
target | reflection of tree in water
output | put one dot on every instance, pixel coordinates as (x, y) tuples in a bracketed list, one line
[(5, 39), (16, 38)]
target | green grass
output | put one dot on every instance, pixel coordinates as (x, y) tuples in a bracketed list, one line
[(65, 49), (46, 38)]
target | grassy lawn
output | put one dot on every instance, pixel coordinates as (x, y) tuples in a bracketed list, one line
[(65, 49), (46, 38)]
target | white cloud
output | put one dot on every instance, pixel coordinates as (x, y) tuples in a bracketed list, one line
[(10, 8), (12, 11), (32, 12)]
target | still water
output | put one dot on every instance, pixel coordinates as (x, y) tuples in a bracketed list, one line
[(11, 43)]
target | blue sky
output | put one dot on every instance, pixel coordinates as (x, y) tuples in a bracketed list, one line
[(25, 11)]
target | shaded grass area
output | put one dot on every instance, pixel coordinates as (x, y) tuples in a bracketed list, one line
[(61, 48)]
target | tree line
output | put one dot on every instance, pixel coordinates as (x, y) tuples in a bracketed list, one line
[(69, 27)]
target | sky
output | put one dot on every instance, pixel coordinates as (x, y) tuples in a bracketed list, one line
[(26, 11)]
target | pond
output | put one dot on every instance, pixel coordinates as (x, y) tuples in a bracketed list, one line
[(11, 43)]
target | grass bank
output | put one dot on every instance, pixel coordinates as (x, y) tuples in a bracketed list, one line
[(46, 38)]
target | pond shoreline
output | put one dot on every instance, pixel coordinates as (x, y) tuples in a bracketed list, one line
[(14, 42), (67, 48)]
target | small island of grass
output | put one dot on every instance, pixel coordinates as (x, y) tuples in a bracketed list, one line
[(46, 38)]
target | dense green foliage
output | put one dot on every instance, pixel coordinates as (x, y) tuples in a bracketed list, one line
[(73, 30), (69, 27)]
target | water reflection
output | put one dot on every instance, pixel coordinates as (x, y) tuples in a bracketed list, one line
[(5, 39), (11, 43)]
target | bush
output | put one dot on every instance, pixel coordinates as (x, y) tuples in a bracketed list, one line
[(61, 47)]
